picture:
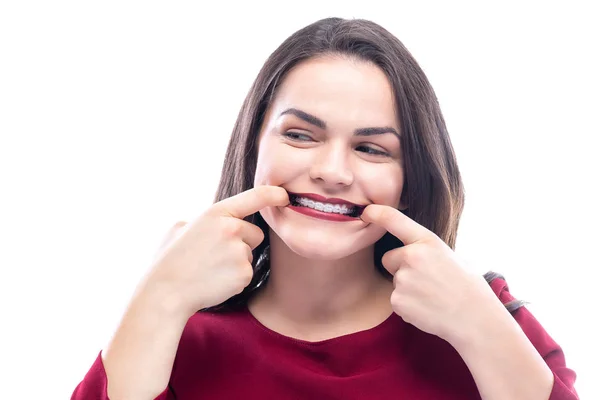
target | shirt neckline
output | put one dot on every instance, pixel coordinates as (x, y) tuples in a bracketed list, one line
[(381, 327)]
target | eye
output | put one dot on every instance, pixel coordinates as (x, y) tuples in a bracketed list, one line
[(371, 150), (297, 136)]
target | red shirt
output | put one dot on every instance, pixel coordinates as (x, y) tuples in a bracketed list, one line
[(233, 356)]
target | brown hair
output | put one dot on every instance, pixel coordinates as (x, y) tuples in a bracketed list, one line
[(433, 188)]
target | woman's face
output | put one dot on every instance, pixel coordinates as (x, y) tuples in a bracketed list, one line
[(331, 131)]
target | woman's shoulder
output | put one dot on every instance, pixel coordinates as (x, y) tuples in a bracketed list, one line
[(209, 335), (500, 288), (210, 324), (530, 325)]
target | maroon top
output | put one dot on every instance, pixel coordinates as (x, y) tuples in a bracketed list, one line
[(233, 356)]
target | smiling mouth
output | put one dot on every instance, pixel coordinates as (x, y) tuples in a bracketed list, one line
[(337, 208)]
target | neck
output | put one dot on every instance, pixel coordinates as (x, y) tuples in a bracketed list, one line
[(308, 291)]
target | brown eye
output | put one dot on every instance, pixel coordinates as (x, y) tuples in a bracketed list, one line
[(372, 151), (297, 136)]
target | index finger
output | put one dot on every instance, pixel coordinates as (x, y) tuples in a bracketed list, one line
[(396, 223), (251, 201)]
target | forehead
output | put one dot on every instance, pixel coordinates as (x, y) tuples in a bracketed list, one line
[(338, 90)]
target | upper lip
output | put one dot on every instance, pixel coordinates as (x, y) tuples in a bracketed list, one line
[(330, 200)]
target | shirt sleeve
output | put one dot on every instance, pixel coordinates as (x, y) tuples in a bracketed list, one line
[(94, 385), (564, 378)]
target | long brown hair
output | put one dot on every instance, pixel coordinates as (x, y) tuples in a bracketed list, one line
[(433, 189)]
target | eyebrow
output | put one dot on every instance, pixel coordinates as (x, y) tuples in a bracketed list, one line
[(313, 120)]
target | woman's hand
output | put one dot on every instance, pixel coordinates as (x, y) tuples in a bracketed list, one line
[(432, 289), (205, 262)]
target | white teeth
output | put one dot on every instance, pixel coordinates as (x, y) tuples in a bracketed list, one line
[(325, 207)]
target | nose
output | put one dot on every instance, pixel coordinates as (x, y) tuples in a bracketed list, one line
[(331, 166)]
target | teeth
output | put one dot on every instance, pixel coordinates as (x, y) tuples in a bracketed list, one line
[(325, 207)]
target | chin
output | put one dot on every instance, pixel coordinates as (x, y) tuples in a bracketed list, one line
[(318, 251), (325, 241)]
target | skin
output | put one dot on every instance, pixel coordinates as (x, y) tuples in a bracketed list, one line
[(199, 265), (318, 291), (323, 283)]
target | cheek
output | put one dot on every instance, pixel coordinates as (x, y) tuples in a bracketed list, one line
[(383, 184), (277, 163)]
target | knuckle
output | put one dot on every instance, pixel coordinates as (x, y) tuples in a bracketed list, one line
[(413, 255), (175, 229), (241, 248), (242, 252), (257, 236), (397, 280), (179, 224), (258, 232), (387, 258), (245, 276), (231, 227), (247, 253), (396, 299)]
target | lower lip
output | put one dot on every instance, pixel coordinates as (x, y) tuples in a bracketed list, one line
[(311, 212)]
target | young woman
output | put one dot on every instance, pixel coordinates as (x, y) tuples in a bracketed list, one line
[(325, 269)]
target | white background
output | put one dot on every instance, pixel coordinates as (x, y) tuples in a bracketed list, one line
[(114, 118)]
